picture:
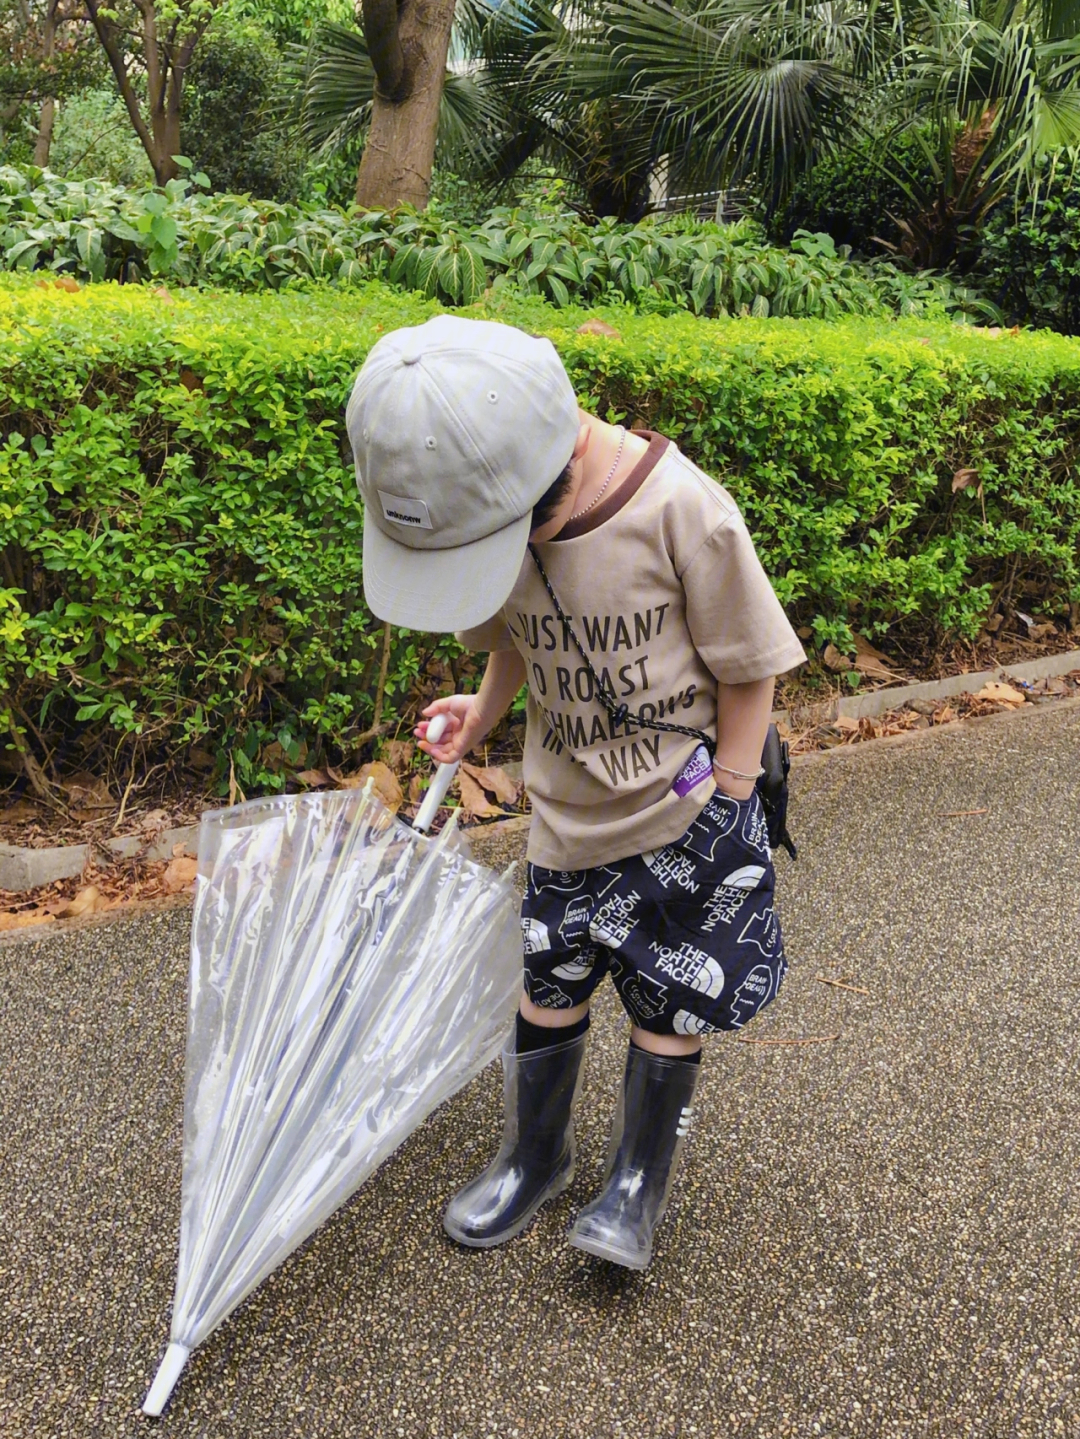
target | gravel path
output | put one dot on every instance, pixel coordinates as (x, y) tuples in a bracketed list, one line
[(876, 1236)]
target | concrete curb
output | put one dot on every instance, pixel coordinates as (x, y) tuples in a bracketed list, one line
[(22, 868), (876, 702)]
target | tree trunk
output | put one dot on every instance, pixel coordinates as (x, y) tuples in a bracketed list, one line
[(47, 116), (395, 168), (43, 143)]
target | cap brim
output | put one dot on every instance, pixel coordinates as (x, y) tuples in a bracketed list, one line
[(443, 590)]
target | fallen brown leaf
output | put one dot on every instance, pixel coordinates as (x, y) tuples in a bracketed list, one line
[(962, 478), (155, 819), (1002, 694), (88, 901), (835, 660), (313, 778), (945, 716), (21, 810), (384, 781), (24, 919), (494, 780), (598, 327), (398, 753), (473, 799), (871, 662), (180, 873), (88, 792)]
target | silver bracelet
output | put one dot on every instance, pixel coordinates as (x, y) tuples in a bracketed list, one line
[(738, 773)]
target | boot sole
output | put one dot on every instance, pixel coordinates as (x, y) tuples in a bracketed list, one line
[(599, 1250), (492, 1241)]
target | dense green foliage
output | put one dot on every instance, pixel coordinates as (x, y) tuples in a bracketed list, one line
[(1030, 261), (101, 232), (180, 531), (857, 195), (227, 125)]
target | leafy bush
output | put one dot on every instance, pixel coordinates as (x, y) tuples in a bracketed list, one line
[(1030, 261), (227, 129), (100, 232), (180, 530), (93, 137), (852, 195)]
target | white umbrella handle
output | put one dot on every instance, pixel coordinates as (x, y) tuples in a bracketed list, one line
[(444, 774)]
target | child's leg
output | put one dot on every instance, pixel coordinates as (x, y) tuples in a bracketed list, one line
[(541, 1074), (698, 950)]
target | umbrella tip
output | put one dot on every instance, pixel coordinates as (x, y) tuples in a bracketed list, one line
[(165, 1379)]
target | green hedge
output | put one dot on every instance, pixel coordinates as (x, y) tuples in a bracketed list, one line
[(95, 231), (180, 531)]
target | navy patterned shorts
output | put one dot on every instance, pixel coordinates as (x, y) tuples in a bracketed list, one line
[(687, 932)]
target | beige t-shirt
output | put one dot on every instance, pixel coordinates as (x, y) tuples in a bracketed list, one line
[(662, 586)]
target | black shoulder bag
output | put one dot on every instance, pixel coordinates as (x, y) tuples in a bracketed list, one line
[(772, 785)]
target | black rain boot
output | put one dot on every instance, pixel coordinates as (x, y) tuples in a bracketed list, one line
[(650, 1129), (536, 1159)]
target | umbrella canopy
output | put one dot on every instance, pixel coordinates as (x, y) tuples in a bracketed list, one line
[(347, 975)]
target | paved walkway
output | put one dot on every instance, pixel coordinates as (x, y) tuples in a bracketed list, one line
[(877, 1236)]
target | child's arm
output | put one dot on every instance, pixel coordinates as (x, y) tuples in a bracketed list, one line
[(742, 719), (473, 716)]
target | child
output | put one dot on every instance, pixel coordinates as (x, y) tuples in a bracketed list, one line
[(605, 571)]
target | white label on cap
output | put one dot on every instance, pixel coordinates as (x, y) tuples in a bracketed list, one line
[(400, 510)]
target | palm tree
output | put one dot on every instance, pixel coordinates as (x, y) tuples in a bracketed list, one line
[(718, 93), (991, 88)]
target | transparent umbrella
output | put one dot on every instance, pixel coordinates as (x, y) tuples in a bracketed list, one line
[(348, 974)]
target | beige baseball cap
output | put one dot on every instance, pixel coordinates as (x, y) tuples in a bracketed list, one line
[(457, 428)]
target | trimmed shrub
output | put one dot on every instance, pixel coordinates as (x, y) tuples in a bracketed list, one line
[(181, 535), (99, 232)]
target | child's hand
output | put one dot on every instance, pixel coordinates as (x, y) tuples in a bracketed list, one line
[(465, 728)]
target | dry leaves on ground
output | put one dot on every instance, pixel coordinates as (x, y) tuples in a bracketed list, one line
[(97, 890), (997, 697), (476, 783)]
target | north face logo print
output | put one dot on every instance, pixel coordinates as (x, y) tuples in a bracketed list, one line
[(687, 1023), (535, 934), (670, 867), (690, 966), (728, 898), (580, 967), (614, 921)]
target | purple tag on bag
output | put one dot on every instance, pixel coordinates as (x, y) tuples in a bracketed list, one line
[(696, 768)]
